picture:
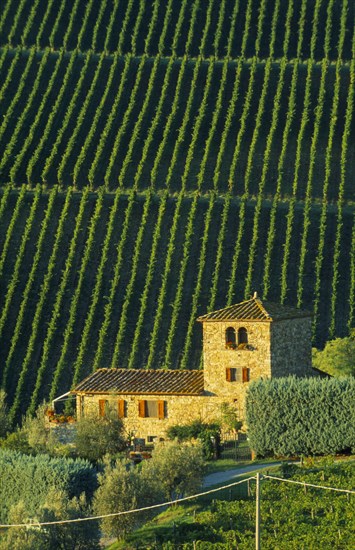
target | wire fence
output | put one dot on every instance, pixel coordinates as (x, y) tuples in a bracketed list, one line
[(177, 501)]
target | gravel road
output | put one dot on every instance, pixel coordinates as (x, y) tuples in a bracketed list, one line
[(231, 475)]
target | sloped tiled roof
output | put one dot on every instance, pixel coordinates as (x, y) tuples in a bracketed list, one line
[(142, 381), (255, 310)]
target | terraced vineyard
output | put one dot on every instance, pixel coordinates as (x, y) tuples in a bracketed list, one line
[(160, 159)]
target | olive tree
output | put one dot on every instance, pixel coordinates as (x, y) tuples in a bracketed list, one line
[(33, 436), (177, 467), (124, 487), (98, 436)]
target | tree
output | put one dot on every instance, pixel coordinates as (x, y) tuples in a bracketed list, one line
[(17, 441), (122, 487), (97, 436), (177, 467), (174, 470), (40, 438), (33, 436), (338, 356)]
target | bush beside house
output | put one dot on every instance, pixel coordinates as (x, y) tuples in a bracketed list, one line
[(311, 416)]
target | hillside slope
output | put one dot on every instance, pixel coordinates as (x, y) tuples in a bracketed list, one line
[(160, 159)]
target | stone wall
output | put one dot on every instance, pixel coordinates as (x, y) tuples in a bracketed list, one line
[(291, 347), (178, 409), (216, 358)]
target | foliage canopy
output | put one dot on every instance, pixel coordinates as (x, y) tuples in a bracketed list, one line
[(294, 416), (338, 356)]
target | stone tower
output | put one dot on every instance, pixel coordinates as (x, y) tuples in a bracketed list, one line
[(251, 340)]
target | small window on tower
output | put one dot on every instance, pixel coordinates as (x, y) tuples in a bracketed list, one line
[(231, 340), (231, 374), (242, 338), (245, 374), (237, 374)]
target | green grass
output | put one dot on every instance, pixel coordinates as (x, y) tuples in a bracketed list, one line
[(159, 528)]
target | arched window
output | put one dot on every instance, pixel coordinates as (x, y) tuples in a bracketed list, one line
[(242, 336), (231, 340)]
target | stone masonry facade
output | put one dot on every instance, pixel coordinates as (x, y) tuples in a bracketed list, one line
[(178, 409), (291, 348)]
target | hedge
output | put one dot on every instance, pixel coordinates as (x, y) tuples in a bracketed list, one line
[(29, 478), (295, 416)]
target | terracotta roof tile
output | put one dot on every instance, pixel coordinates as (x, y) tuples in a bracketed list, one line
[(255, 310), (142, 381)]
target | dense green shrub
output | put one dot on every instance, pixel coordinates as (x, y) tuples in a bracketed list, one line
[(208, 434), (292, 416), (76, 536), (30, 478)]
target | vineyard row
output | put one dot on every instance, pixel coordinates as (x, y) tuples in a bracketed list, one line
[(146, 127), (135, 27)]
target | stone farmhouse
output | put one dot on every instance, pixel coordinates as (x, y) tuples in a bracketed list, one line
[(241, 343)]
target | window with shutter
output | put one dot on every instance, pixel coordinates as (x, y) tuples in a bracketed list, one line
[(102, 407), (121, 408), (245, 374), (141, 409), (151, 409), (231, 374)]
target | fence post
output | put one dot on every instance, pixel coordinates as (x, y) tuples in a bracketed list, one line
[(257, 513)]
